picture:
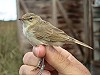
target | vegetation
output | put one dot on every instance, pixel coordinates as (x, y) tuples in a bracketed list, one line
[(10, 55)]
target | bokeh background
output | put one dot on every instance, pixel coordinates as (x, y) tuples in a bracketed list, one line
[(78, 18), (10, 53)]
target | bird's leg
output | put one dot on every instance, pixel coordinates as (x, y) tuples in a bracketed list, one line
[(40, 66)]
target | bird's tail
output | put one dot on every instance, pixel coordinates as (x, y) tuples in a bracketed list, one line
[(80, 43)]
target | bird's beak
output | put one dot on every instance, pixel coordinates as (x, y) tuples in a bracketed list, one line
[(20, 19)]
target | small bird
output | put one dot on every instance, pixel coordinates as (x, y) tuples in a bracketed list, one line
[(38, 32)]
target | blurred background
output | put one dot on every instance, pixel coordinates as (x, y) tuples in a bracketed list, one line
[(78, 18)]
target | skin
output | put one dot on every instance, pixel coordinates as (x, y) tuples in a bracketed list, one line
[(57, 62)]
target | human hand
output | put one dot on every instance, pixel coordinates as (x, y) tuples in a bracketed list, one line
[(58, 62)]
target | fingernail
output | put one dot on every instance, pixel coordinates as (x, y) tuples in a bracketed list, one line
[(36, 51)]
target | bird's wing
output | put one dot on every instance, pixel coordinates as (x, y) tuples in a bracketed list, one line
[(48, 32)]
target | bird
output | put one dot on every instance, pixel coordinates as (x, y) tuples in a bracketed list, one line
[(39, 31)]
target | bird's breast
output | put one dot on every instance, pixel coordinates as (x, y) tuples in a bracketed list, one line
[(31, 37), (24, 31)]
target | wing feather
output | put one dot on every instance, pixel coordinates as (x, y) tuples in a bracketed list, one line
[(46, 31)]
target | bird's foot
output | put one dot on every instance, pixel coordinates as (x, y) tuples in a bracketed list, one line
[(40, 66)]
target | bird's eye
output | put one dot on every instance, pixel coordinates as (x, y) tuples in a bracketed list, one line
[(30, 18)]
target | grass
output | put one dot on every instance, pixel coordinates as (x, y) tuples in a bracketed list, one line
[(10, 55)]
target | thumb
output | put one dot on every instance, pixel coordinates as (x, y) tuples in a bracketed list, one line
[(61, 60), (56, 59)]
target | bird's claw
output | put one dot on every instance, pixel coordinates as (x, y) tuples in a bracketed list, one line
[(40, 66)]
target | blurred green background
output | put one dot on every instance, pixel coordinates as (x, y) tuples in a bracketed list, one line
[(10, 54)]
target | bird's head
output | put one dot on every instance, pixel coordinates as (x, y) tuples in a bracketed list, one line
[(30, 19)]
